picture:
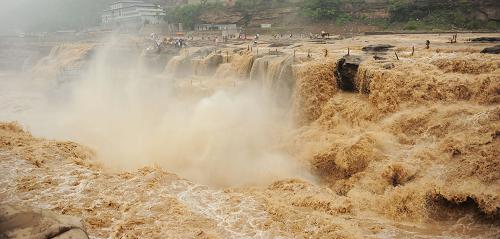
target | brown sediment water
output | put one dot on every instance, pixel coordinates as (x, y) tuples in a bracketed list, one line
[(313, 89), (62, 58), (238, 67), (412, 154)]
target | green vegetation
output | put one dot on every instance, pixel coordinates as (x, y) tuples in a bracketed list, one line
[(252, 5), (405, 14), (408, 14), (35, 15), (321, 9), (435, 15), (189, 15), (380, 22), (328, 10)]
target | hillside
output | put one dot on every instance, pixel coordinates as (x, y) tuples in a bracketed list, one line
[(53, 15), (407, 14)]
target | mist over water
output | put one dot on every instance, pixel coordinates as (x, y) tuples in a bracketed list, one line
[(411, 154), (132, 119), (25, 16)]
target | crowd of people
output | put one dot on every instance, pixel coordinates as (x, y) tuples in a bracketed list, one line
[(166, 42), (181, 41)]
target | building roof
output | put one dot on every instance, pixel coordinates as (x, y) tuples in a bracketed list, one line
[(136, 5), (127, 2)]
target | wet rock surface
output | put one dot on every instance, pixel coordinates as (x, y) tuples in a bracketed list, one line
[(279, 44), (492, 50), (347, 68), (486, 39), (23, 222), (377, 48)]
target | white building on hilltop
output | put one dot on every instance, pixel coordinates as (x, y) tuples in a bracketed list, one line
[(132, 13)]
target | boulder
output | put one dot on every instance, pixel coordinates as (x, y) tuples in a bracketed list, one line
[(388, 66), (492, 50), (377, 48), (485, 39), (23, 222), (279, 44), (346, 71)]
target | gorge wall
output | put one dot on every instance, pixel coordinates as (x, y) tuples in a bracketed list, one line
[(288, 12)]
